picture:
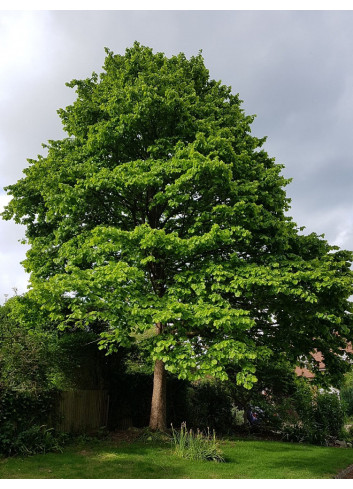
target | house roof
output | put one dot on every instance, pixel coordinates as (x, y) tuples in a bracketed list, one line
[(318, 357)]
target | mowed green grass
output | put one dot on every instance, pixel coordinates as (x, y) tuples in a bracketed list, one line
[(246, 459)]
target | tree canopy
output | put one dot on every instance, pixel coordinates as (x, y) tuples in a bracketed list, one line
[(162, 218)]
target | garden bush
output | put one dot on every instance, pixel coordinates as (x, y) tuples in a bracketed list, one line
[(307, 414), (35, 439), (209, 405), (316, 417), (24, 418), (346, 393)]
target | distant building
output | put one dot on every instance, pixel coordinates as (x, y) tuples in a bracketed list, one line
[(318, 357)]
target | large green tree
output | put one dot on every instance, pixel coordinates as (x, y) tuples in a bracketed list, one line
[(162, 217)]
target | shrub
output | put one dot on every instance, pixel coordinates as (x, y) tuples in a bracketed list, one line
[(316, 417), (36, 439), (347, 398), (306, 415), (347, 394), (209, 405), (196, 446), (23, 423), (328, 414)]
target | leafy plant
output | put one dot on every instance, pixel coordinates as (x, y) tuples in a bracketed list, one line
[(196, 445), (23, 422), (209, 406), (346, 393), (160, 217), (314, 417), (36, 439)]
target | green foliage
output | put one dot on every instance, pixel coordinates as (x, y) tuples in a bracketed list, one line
[(292, 407), (77, 363), (23, 422), (26, 353), (160, 208), (209, 406), (196, 445), (312, 416), (346, 394), (22, 406), (347, 398), (36, 439), (36, 357), (36, 361), (329, 414)]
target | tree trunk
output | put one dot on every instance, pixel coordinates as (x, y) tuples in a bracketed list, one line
[(158, 418)]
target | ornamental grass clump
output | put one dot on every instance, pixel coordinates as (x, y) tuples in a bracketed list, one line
[(196, 445)]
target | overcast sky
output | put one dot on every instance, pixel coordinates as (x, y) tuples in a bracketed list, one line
[(294, 69)]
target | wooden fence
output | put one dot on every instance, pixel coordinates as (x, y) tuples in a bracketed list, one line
[(82, 410)]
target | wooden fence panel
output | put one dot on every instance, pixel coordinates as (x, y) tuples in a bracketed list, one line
[(83, 410)]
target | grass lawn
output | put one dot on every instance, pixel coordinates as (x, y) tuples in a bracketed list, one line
[(246, 459)]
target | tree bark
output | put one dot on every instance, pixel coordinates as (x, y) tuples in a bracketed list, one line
[(158, 418)]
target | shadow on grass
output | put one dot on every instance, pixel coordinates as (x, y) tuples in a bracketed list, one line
[(312, 464), (286, 459), (101, 466), (149, 460), (96, 461)]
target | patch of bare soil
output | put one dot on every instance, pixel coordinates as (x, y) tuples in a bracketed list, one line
[(124, 435)]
